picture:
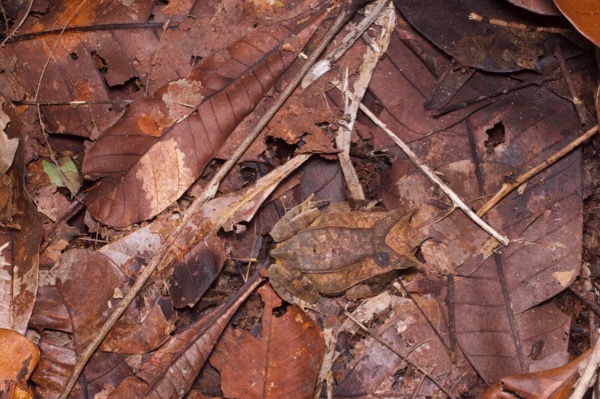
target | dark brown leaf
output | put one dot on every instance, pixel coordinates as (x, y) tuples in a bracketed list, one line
[(161, 145), (544, 7), (195, 272), (282, 362)]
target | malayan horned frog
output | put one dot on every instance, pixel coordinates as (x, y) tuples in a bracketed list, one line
[(328, 253)]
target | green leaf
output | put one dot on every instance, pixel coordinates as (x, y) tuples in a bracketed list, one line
[(67, 176)]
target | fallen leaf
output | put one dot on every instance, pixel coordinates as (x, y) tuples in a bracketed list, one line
[(475, 43), (475, 155), (282, 362), (172, 369), (64, 175)]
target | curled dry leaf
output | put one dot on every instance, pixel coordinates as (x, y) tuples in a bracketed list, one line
[(282, 362), (161, 145)]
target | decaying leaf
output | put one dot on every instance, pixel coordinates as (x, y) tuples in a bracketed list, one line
[(172, 369), (371, 367), (282, 362), (473, 43), (161, 145)]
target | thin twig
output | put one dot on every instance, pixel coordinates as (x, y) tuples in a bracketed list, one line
[(434, 178), (19, 25), (383, 342), (508, 187)]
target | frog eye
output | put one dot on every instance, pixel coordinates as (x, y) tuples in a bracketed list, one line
[(382, 259)]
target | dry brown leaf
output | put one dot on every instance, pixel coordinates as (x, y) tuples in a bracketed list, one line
[(282, 362), (583, 15)]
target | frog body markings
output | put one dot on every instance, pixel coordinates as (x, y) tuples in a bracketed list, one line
[(340, 249)]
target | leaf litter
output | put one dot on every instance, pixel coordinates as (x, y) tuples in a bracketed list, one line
[(142, 88)]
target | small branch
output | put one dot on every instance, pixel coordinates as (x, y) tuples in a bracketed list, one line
[(435, 179), (383, 342), (507, 188), (517, 26)]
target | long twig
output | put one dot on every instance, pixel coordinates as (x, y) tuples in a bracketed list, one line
[(434, 178), (164, 252), (383, 342), (507, 188)]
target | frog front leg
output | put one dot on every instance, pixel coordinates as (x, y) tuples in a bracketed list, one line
[(291, 285)]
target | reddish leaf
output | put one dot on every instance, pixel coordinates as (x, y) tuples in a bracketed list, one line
[(583, 15), (151, 156), (20, 235), (282, 362)]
